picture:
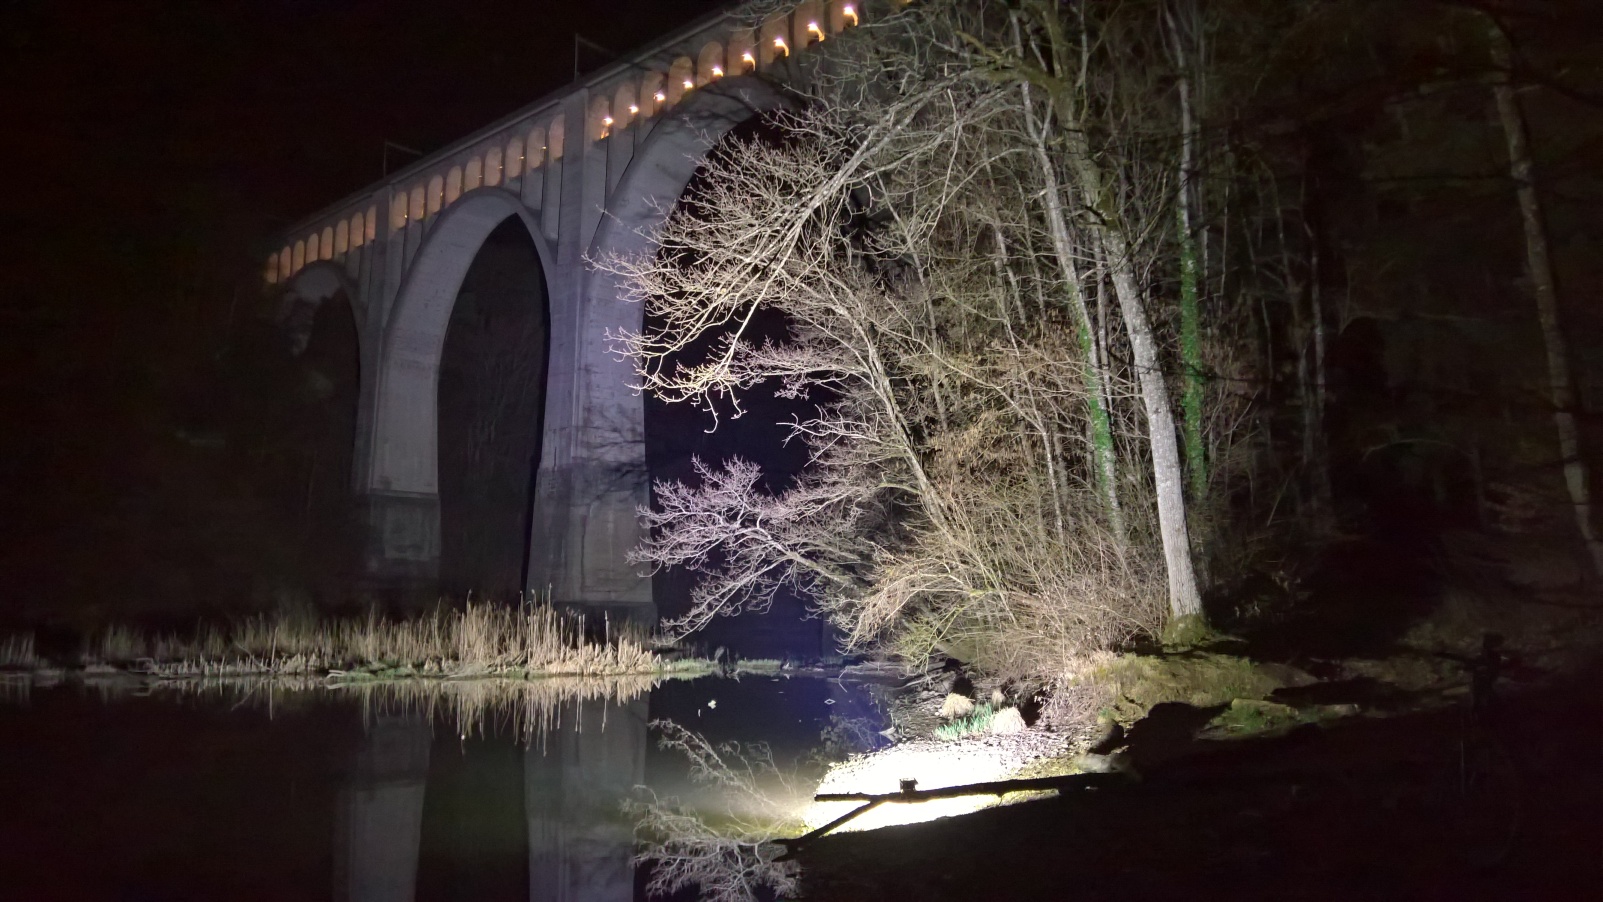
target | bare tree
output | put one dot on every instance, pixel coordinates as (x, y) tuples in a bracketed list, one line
[(1059, 62), (934, 238)]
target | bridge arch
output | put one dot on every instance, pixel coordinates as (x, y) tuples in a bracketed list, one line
[(403, 483), (665, 162), (414, 254), (304, 294)]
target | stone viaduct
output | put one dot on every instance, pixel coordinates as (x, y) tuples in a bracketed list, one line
[(587, 171)]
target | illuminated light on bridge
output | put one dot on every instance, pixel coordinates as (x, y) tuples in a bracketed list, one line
[(848, 13), (781, 46), (748, 60), (815, 31), (717, 71)]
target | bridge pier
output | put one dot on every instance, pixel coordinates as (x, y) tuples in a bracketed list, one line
[(403, 537)]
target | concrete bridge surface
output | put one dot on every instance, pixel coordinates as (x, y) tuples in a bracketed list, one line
[(580, 174)]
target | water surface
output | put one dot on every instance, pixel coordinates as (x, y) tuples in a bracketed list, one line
[(318, 794)]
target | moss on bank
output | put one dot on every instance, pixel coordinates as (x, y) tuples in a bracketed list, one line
[(1135, 683)]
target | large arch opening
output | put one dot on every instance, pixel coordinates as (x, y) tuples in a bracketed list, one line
[(331, 375), (502, 327), (318, 319), (491, 399)]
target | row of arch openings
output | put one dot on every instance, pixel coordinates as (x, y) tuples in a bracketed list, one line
[(345, 235), (744, 51)]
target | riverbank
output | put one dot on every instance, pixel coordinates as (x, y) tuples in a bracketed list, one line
[(1362, 807), (1258, 770)]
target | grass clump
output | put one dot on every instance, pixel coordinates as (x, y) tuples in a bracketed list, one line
[(977, 722), (1246, 717), (955, 706), (1007, 720)]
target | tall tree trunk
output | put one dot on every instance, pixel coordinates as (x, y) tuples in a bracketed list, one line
[(1561, 392), (1190, 325), (1184, 598), (1321, 450)]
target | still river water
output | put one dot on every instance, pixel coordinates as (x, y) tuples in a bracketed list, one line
[(314, 795)]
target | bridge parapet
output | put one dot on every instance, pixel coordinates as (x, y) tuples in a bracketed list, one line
[(523, 153)]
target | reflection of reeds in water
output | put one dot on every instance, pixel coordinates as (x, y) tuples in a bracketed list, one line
[(529, 708), (477, 640)]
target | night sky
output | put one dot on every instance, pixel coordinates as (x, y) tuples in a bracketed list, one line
[(142, 124)]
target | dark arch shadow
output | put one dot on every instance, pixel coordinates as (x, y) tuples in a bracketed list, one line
[(403, 481), (491, 402), (305, 296), (331, 383)]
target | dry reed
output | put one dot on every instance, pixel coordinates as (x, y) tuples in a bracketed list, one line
[(479, 640), (18, 651)]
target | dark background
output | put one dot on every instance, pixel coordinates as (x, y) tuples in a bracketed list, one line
[(151, 149)]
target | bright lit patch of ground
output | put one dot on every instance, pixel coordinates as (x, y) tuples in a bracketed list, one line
[(935, 765)]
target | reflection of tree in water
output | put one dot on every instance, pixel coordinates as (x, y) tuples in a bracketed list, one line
[(729, 855), (491, 397)]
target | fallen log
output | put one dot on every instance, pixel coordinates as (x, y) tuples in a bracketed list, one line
[(991, 788), (911, 793)]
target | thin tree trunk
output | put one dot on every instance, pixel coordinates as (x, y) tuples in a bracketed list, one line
[(1096, 374), (1321, 450), (1561, 392), (1190, 326)]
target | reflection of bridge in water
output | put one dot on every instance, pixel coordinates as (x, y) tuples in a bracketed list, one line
[(584, 173), (575, 779)]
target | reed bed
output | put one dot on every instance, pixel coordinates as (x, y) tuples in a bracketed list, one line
[(18, 651), (478, 640)]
